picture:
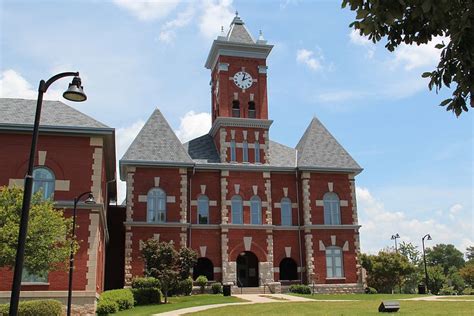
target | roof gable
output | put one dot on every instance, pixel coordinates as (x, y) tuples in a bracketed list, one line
[(318, 149), (238, 32), (156, 143)]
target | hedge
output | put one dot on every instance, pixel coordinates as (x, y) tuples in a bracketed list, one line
[(107, 307), (35, 308), (216, 288), (145, 283), (300, 289), (146, 296), (123, 298)]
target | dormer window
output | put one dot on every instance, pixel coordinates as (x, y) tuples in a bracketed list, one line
[(252, 112), (235, 108)]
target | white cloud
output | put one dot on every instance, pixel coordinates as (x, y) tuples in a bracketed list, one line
[(362, 40), (193, 125), (216, 13), (453, 210), (168, 30), (417, 56), (310, 58), (148, 10), (124, 137), (378, 224), (13, 85)]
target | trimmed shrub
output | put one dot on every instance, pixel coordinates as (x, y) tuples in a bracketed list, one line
[(468, 291), (300, 289), (145, 283), (201, 281), (370, 290), (35, 308), (146, 296), (447, 290), (105, 307), (185, 287), (123, 298), (216, 288)]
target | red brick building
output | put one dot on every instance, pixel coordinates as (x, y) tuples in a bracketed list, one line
[(75, 154), (257, 212)]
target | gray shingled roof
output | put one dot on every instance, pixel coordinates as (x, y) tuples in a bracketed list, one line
[(53, 113), (157, 143), (281, 155), (319, 149), (238, 32)]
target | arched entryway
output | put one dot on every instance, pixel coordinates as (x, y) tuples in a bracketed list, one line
[(288, 269), (247, 269), (204, 267)]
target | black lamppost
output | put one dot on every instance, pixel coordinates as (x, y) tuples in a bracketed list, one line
[(395, 237), (428, 237), (89, 200), (73, 93)]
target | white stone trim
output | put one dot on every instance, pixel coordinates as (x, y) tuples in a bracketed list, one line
[(236, 188), (346, 246), (128, 257), (96, 142), (255, 189), (306, 198), (203, 189), (333, 240), (344, 203), (244, 134), (319, 203), (247, 243), (170, 199), (217, 269), (288, 252), (129, 200), (93, 243), (212, 203), (322, 247), (202, 250), (330, 186), (41, 157), (285, 192), (16, 183), (96, 177), (157, 182), (142, 198), (62, 185), (184, 202)]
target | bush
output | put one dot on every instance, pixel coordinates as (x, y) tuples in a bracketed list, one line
[(468, 291), (370, 290), (145, 283), (300, 289), (447, 290), (105, 307), (35, 308), (123, 298), (146, 296), (201, 281), (216, 288), (185, 287)]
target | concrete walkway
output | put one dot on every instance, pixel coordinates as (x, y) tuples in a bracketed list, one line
[(440, 298), (250, 298)]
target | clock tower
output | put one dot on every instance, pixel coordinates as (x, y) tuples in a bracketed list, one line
[(239, 104)]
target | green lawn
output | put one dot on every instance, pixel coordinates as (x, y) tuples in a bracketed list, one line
[(178, 303), (366, 307), (361, 297)]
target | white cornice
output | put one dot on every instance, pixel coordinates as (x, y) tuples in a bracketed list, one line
[(238, 122), (226, 48)]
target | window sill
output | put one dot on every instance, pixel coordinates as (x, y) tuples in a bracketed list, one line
[(336, 278), (35, 283)]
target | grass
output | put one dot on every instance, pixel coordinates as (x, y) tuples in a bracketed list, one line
[(361, 297), (458, 297), (178, 303), (366, 307)]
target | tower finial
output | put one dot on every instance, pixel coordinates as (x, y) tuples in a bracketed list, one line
[(236, 13)]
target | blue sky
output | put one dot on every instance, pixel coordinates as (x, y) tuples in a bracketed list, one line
[(135, 56)]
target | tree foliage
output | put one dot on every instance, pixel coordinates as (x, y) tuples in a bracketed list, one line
[(417, 22), (446, 256), (470, 253), (386, 270), (467, 273), (48, 239)]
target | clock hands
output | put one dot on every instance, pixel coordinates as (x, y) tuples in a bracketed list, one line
[(243, 76)]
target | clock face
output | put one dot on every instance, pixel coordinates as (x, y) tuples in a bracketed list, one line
[(243, 80)]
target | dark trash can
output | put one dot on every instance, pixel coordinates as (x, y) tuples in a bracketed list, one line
[(226, 289), (421, 289)]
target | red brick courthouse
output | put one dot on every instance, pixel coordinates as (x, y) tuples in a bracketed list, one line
[(257, 212)]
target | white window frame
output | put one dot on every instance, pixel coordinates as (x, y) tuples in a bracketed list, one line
[(255, 210), (203, 209), (156, 206), (27, 277), (334, 267), (332, 209), (285, 206), (237, 209)]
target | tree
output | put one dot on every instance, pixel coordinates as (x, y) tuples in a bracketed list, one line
[(467, 273), (411, 252), (417, 22), (455, 280), (48, 239), (446, 256), (163, 262), (436, 280), (386, 270), (470, 253)]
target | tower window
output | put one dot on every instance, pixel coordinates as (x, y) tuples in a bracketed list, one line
[(203, 209), (156, 206), (252, 112), (235, 108), (43, 179), (245, 149), (257, 152), (255, 210), (232, 151)]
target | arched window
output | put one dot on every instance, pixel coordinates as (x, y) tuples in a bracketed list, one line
[(332, 210), (43, 179), (204, 267), (245, 151), (252, 112), (255, 210), (286, 218), (156, 206), (236, 209), (235, 108), (203, 209), (288, 269), (233, 156), (257, 152), (334, 262)]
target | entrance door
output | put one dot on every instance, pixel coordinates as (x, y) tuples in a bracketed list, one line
[(247, 269)]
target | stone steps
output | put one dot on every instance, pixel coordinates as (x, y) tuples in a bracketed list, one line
[(250, 290)]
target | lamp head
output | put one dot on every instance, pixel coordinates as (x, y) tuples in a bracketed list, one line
[(75, 91), (429, 237), (90, 199), (395, 236)]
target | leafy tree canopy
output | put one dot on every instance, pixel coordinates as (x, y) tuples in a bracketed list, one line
[(410, 251), (48, 239), (417, 22), (446, 256), (470, 253)]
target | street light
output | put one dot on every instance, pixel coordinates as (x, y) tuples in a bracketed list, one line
[(89, 200), (428, 237), (395, 237), (74, 93)]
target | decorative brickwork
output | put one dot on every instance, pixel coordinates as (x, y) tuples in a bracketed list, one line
[(128, 257), (306, 198), (308, 242)]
